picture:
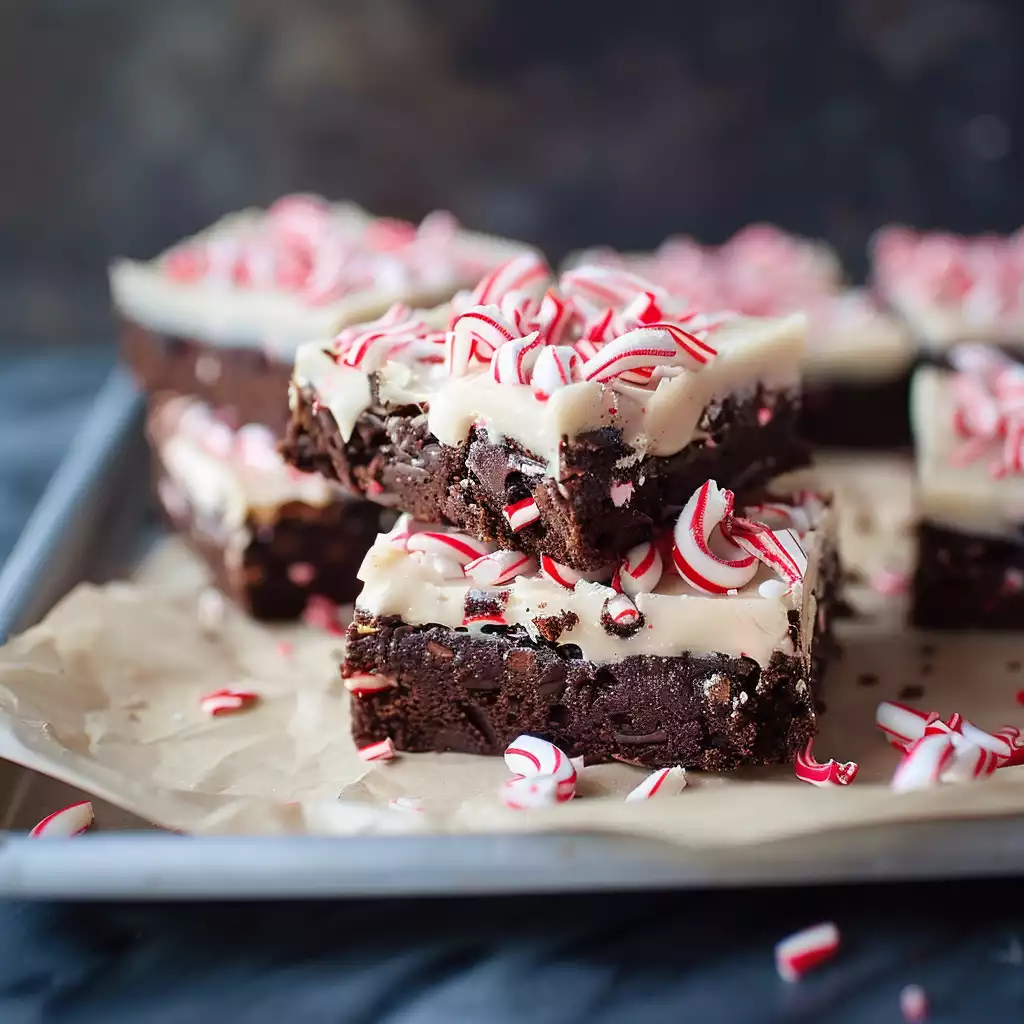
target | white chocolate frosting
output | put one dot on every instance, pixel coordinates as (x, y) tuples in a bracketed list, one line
[(763, 271), (953, 493), (656, 420), (228, 476), (261, 311), (751, 622)]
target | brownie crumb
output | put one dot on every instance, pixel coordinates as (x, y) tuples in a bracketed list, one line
[(1013, 666), (551, 627), (867, 679), (440, 651), (911, 692)]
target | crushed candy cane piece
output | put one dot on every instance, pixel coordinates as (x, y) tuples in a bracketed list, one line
[(530, 755), (66, 823), (621, 610), (363, 683), (500, 567), (827, 773), (621, 493), (805, 950), (224, 702), (411, 804), (521, 514), (890, 583), (663, 782), (902, 724), (557, 367), (525, 792), (322, 613), (640, 570), (302, 573), (459, 547), (923, 763), (384, 750)]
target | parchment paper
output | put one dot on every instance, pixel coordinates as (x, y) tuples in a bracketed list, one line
[(104, 694)]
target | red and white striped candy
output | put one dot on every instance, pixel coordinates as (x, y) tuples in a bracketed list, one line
[(531, 756), (410, 804), (902, 724), (525, 792), (555, 318), (597, 331), (224, 702), (525, 273), (566, 577), (399, 534), (644, 309), (459, 547), (663, 782), (520, 514), (383, 750), (781, 550), (557, 367), (513, 360), (923, 763), (362, 684), (621, 610), (621, 493), (519, 309), (368, 346), (775, 515), (969, 762), (475, 336), (600, 287), (69, 821), (828, 773), (644, 349), (805, 950), (640, 570), (302, 216), (257, 447), (694, 559), (485, 619), (441, 566), (500, 567)]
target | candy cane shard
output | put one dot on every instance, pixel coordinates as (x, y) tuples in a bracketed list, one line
[(521, 514), (923, 764), (692, 555), (567, 577), (601, 287), (500, 567), (913, 1003), (408, 804), (475, 336), (902, 724), (780, 550), (530, 756), (663, 782), (621, 610), (555, 318), (805, 950), (69, 821), (526, 792), (829, 773), (384, 750), (362, 684), (514, 360), (557, 367), (526, 273), (458, 547), (640, 570), (224, 702), (644, 349)]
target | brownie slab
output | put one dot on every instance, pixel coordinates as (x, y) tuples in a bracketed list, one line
[(970, 493), (572, 449), (271, 536), (435, 660), (854, 413)]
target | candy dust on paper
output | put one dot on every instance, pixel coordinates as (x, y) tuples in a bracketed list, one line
[(118, 674)]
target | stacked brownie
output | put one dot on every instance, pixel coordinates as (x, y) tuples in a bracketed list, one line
[(968, 418), (210, 330), (856, 365), (591, 548)]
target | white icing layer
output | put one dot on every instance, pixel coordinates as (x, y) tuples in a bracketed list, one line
[(655, 421), (753, 622), (963, 496), (217, 311), (228, 476)]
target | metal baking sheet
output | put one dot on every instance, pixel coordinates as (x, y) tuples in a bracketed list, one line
[(95, 521)]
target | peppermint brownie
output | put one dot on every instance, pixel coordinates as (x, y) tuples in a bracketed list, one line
[(566, 420), (704, 647), (969, 431), (219, 315), (857, 361), (272, 537), (951, 288)]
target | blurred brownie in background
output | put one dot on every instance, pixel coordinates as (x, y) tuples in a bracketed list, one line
[(220, 314), (856, 365)]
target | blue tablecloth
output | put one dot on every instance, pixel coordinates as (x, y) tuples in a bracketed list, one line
[(690, 956)]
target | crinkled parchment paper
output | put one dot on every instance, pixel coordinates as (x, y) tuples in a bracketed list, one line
[(104, 694)]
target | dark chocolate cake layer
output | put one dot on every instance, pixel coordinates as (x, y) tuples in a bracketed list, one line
[(474, 692), (855, 414), (393, 458), (243, 384)]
